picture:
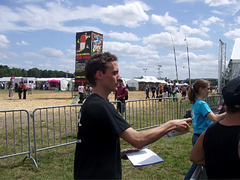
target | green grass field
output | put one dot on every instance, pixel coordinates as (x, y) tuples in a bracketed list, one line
[(57, 163)]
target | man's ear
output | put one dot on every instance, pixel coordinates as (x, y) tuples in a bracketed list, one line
[(99, 74)]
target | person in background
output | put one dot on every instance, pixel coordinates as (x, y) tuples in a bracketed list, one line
[(201, 113), (11, 89), (160, 92), (16, 87), (147, 90), (170, 91), (217, 148), (184, 92), (98, 154), (81, 92), (157, 91), (153, 89), (165, 91), (30, 89), (175, 91), (120, 95), (24, 90), (19, 89)]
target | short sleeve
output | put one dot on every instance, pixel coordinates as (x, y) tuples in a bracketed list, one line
[(205, 109)]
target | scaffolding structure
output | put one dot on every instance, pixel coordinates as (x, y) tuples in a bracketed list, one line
[(233, 68)]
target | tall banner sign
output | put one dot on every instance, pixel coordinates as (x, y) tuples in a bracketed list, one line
[(87, 43)]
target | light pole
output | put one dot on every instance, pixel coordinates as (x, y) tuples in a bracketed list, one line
[(188, 61), (174, 51), (67, 74), (145, 70), (159, 71)]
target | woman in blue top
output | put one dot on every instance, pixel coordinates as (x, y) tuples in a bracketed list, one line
[(201, 113)]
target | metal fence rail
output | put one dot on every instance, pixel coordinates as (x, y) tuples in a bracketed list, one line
[(58, 125), (148, 113), (213, 101), (15, 137), (54, 126)]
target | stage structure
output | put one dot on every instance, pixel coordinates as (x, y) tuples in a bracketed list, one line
[(87, 43), (233, 69)]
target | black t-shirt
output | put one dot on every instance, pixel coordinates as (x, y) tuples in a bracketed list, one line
[(221, 151), (98, 154)]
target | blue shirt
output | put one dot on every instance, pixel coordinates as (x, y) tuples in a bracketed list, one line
[(200, 122)]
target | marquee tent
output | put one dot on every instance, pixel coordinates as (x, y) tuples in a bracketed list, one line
[(234, 64), (140, 83)]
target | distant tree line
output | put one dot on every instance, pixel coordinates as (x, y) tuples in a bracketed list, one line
[(5, 71)]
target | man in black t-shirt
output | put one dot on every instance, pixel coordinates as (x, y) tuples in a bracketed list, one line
[(98, 153)]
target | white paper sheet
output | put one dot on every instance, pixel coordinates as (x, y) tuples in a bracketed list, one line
[(143, 157)]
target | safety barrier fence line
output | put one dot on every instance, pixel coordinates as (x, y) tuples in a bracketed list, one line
[(12, 144), (148, 113), (57, 126)]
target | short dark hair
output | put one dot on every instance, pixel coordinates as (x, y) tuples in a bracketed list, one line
[(98, 61)]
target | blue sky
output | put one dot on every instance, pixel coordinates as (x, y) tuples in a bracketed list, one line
[(41, 34)]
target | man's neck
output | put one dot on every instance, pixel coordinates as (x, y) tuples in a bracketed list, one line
[(101, 92), (231, 119)]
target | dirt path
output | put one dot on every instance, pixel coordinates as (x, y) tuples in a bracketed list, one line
[(40, 98)]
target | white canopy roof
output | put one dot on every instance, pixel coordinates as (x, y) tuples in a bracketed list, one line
[(150, 79), (236, 50), (4, 79), (184, 84)]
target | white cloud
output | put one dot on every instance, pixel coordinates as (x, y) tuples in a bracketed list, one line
[(29, 62), (124, 36), (212, 20), (163, 40), (232, 34), (165, 20), (51, 52), (127, 50), (8, 55), (21, 43), (220, 2), (32, 55), (186, 30), (183, 1), (4, 42), (237, 19), (130, 15), (34, 17)]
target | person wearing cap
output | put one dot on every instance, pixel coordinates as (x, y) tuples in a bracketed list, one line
[(217, 147), (201, 113)]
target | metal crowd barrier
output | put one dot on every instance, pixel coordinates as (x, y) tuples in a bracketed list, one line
[(214, 101), (15, 133), (58, 125), (148, 113), (55, 126)]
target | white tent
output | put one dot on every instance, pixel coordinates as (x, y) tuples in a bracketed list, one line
[(139, 83), (125, 80), (4, 81), (63, 82), (234, 63), (184, 84)]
